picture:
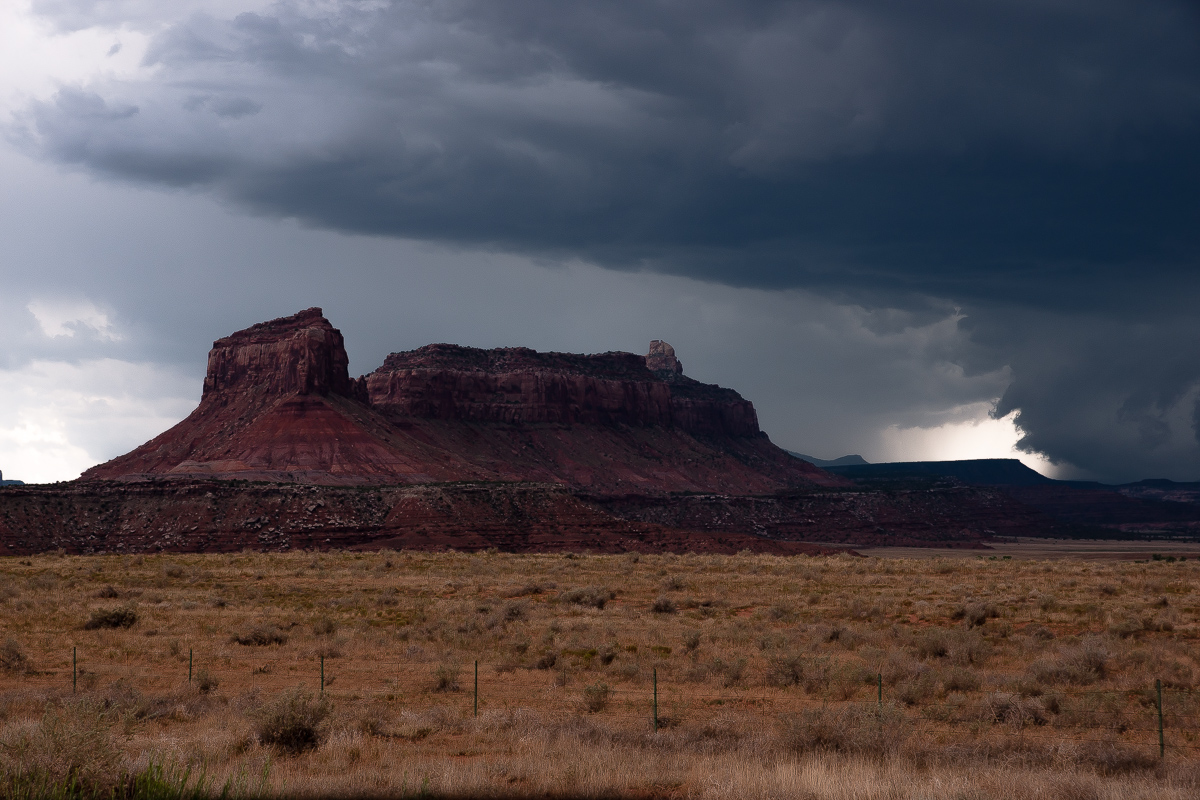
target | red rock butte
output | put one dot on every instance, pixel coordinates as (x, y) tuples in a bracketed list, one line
[(279, 405)]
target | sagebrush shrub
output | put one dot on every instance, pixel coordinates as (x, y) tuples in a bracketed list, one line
[(663, 605), (969, 648), (933, 643), (12, 657), (675, 583), (260, 636), (1081, 665), (123, 617), (596, 697), (867, 730), (729, 673), (785, 670), (1015, 709), (293, 722), (594, 596), (961, 680), (975, 614), (205, 682), (526, 590), (445, 678), (511, 611)]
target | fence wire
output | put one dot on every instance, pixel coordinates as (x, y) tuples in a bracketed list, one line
[(1156, 716)]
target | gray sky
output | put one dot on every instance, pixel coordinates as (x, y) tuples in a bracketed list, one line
[(915, 230)]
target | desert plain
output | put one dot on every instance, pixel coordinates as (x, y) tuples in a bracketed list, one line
[(395, 673)]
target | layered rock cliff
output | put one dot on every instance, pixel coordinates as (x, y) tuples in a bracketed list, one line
[(279, 405), (518, 385), (302, 354)]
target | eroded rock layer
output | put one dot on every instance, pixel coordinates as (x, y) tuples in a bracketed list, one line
[(172, 515)]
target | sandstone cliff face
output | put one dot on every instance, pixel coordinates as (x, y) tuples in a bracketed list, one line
[(518, 385), (279, 405), (706, 410), (301, 354)]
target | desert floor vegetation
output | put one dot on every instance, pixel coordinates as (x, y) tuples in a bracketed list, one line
[(353, 673)]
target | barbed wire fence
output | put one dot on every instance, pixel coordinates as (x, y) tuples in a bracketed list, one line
[(1158, 719)]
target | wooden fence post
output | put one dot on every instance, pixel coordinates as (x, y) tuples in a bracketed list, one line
[(1162, 746), (656, 699)]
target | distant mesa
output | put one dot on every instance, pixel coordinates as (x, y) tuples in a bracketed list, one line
[(279, 405), (974, 472), (9, 483), (844, 461)]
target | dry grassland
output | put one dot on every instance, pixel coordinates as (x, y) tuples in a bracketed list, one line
[(999, 678)]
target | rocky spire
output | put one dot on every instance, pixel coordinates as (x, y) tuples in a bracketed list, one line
[(662, 358)]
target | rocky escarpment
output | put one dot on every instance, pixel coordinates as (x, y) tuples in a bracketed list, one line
[(180, 515), (279, 405)]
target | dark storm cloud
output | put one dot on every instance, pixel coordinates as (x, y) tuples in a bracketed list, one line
[(766, 143), (1030, 161)]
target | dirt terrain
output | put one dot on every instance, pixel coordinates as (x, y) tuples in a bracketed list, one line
[(707, 676)]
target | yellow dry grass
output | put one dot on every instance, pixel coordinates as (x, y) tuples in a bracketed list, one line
[(999, 677)]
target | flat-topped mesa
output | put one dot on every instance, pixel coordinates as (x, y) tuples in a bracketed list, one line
[(301, 354), (519, 385)]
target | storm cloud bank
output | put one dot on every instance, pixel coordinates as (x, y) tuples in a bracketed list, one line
[(1031, 163)]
